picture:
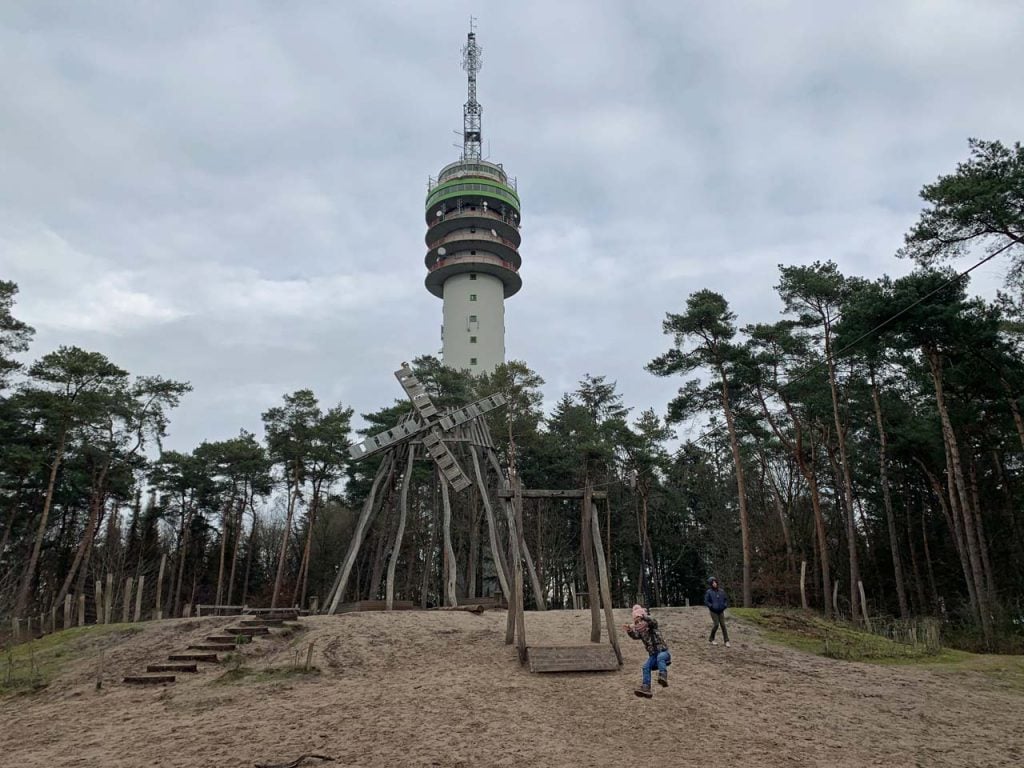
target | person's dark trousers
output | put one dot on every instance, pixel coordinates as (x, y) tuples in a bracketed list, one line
[(718, 620)]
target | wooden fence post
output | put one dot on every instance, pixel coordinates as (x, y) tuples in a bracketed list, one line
[(803, 584), (864, 604), (138, 597), (53, 618), (67, 610), (126, 609), (81, 609), (16, 629), (99, 601), (108, 600), (160, 586), (187, 614)]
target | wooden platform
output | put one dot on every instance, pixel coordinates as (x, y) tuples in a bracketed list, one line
[(375, 605), (596, 657)]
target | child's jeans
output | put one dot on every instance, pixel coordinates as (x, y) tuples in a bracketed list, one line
[(661, 661)]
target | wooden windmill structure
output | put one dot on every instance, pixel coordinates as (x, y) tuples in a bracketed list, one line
[(434, 430)]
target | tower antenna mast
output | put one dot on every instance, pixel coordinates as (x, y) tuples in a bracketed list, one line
[(472, 60)]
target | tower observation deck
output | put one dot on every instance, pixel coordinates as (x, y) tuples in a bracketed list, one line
[(472, 215)]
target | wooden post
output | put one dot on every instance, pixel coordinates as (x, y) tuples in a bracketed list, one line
[(864, 604), (53, 618), (587, 542), (606, 589), (365, 516), (108, 600), (517, 507), (16, 629), (314, 604), (497, 553), (538, 592), (138, 597), (28, 627), (160, 586), (188, 611), (449, 551), (67, 610), (81, 609), (803, 584), (126, 609), (99, 601), (835, 598), (403, 507)]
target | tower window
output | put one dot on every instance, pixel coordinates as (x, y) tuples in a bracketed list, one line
[(472, 339), (472, 318), (472, 297), (472, 253), (472, 361), (472, 275)]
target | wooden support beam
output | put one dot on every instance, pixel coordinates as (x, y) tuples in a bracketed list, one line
[(587, 542), (403, 507), (138, 597), (517, 536), (533, 493), (497, 553), (365, 517), (450, 571), (606, 591)]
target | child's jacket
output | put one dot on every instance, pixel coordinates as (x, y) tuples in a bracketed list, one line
[(649, 634)]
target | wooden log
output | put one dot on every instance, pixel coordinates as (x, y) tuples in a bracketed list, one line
[(99, 601), (517, 506), (835, 597), (67, 611), (16, 629), (449, 551), (179, 668), (403, 510), (587, 542), (533, 493), (207, 657), (365, 517), (187, 613), (126, 600), (149, 679), (138, 598), (803, 584), (53, 618), (215, 647), (497, 553), (606, 590), (81, 609), (248, 630), (159, 614)]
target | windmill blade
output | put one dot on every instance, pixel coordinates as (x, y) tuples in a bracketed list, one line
[(446, 461), (381, 441), (457, 416), (420, 399)]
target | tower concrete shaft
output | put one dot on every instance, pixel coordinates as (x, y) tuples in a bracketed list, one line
[(473, 214)]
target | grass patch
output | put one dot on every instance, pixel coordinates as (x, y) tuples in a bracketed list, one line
[(812, 634), (31, 666), (269, 675)]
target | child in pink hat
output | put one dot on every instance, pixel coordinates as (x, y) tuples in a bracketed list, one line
[(645, 628)]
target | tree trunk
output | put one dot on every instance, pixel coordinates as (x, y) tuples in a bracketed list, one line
[(249, 553), (224, 527), (847, 482), (21, 603), (285, 536), (96, 504), (970, 532), (741, 489), (237, 526), (1018, 421), (953, 521), (883, 475)]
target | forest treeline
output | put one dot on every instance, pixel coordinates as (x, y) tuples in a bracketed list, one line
[(871, 438)]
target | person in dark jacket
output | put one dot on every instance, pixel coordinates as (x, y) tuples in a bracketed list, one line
[(645, 629), (716, 601)]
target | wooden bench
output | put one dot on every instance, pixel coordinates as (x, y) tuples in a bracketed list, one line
[(596, 657), (375, 605)]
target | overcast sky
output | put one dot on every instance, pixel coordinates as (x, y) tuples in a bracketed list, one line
[(231, 193)]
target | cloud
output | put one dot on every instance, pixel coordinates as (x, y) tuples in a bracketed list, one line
[(232, 193)]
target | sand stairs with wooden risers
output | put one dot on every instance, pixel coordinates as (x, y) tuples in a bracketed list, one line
[(188, 661)]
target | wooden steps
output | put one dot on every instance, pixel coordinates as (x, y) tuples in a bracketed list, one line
[(596, 657), (182, 668), (205, 657), (222, 639), (149, 679), (217, 648), (248, 630)]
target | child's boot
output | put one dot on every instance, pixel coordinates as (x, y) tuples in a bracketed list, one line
[(663, 679), (644, 691)]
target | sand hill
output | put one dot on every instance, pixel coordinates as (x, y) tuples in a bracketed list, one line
[(441, 689)]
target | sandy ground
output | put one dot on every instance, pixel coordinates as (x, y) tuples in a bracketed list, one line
[(441, 689)]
